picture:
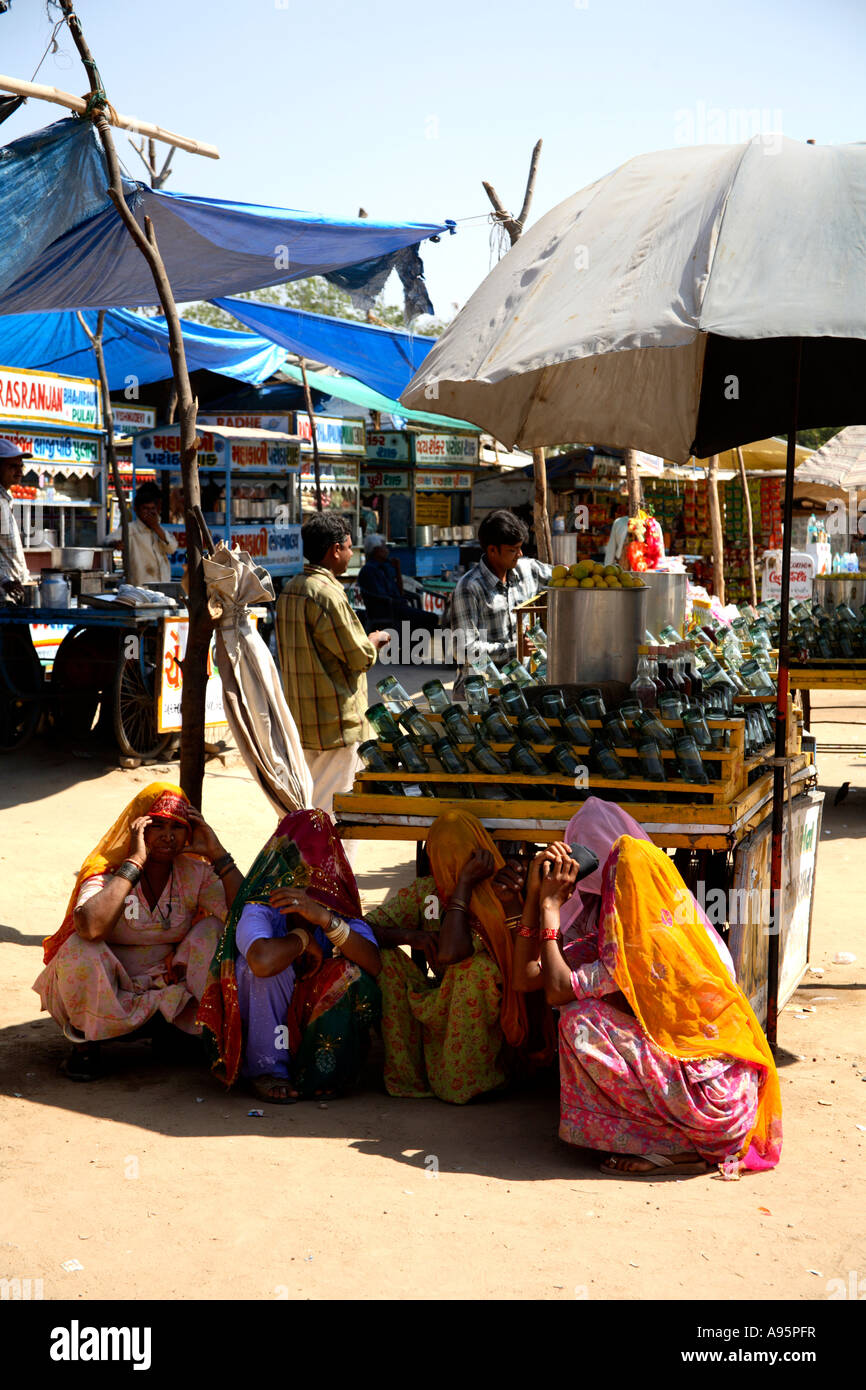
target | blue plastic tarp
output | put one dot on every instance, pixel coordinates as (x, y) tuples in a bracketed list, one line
[(63, 245), (382, 358), (133, 347)]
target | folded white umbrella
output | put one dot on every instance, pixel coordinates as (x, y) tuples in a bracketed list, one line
[(255, 706), (658, 308), (841, 462)]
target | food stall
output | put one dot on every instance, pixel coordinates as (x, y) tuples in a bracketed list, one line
[(249, 484)]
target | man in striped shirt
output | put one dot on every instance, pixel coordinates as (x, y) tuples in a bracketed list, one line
[(324, 659)]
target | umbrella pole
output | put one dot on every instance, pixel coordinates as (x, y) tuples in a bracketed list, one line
[(753, 583), (716, 527), (313, 437), (779, 762)]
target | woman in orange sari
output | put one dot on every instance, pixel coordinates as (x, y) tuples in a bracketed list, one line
[(663, 1064), (140, 929)]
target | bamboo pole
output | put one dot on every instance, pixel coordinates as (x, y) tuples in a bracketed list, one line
[(716, 527), (192, 751), (633, 482), (315, 443), (749, 534), (108, 419), (79, 106), (543, 540)]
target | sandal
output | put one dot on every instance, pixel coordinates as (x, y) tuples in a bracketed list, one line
[(262, 1086), (663, 1167), (84, 1062)]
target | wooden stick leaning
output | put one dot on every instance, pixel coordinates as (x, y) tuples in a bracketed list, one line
[(108, 421)]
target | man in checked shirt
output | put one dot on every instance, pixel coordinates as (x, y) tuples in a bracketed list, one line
[(483, 604), (324, 658)]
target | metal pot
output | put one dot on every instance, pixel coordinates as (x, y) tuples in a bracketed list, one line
[(76, 558), (666, 600), (593, 634), (446, 534), (426, 535)]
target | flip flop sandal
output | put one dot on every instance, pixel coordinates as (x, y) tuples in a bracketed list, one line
[(261, 1087), (84, 1063), (663, 1167)]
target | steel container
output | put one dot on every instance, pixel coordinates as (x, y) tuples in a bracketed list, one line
[(593, 634), (666, 600), (832, 589), (426, 535)]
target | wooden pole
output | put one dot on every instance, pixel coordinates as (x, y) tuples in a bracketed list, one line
[(632, 477), (716, 527), (108, 420), (79, 106), (200, 627), (514, 227), (309, 400), (753, 583)]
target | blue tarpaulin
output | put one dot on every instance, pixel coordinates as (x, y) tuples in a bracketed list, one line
[(63, 245), (382, 358), (133, 347)]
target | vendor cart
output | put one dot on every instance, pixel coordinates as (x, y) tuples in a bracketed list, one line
[(109, 660)]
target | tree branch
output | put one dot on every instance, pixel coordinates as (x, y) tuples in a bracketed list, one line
[(530, 185)]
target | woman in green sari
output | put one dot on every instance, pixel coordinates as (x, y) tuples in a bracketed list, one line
[(292, 993)]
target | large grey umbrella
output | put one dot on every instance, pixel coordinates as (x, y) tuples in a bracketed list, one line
[(692, 300), (255, 706), (841, 462)]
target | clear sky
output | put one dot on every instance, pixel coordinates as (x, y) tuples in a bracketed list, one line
[(403, 108)]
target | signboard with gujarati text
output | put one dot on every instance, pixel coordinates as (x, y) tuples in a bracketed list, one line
[(446, 450), (54, 450), (383, 482), (443, 482), (334, 434), (433, 509), (390, 447), (174, 635)]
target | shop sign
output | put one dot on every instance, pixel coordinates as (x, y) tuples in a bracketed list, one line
[(387, 448), (802, 573), (330, 471), (174, 635), (162, 450), (443, 482), (49, 398), (55, 449), (267, 545), (128, 418), (382, 482), (259, 453), (446, 450), (334, 434), (433, 603), (433, 510), (282, 423)]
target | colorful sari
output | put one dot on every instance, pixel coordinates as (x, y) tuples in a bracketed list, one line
[(327, 1015), (688, 1067), (446, 1037), (155, 959)]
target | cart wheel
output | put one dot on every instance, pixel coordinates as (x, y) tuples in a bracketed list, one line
[(81, 679), (21, 689), (135, 722)]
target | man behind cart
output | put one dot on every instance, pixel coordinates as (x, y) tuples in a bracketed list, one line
[(13, 566), (484, 601), (324, 659)]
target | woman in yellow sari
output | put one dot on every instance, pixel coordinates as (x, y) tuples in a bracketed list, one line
[(663, 1064), (142, 924)]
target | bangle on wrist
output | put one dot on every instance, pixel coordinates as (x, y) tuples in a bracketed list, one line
[(302, 935), (549, 933), (129, 870), (337, 931), (527, 931), (458, 904), (220, 865)]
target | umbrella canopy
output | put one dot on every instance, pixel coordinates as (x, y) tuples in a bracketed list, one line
[(660, 308), (255, 706), (840, 463)]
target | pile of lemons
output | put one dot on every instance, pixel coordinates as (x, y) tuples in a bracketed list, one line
[(586, 574)]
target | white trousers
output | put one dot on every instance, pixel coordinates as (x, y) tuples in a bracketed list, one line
[(333, 771)]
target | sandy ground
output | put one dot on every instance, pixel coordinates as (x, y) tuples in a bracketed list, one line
[(162, 1186)]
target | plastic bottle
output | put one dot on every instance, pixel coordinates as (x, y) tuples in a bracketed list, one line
[(812, 530)]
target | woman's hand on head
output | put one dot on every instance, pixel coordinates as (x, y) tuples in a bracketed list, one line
[(508, 884), (289, 900), (203, 840), (137, 845), (558, 882), (479, 866)]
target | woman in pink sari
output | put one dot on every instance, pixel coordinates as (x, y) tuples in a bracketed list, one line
[(640, 978)]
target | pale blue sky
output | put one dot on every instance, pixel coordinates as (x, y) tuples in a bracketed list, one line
[(403, 108)]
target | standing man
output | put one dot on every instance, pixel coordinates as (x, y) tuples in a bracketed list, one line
[(482, 608), (324, 659), (150, 547), (14, 573)]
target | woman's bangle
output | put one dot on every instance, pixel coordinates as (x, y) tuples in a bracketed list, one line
[(302, 935), (549, 933), (337, 931), (459, 904), (512, 922), (527, 931), (129, 870), (219, 866)]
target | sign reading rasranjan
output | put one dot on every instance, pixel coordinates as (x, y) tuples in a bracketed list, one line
[(450, 450), (49, 398)]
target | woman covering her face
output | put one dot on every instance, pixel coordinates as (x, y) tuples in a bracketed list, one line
[(140, 929), (292, 994), (663, 1064)]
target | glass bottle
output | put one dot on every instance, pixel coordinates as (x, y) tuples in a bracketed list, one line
[(486, 761), (592, 704), (695, 724), (563, 760), (691, 768), (649, 725), (551, 704), (614, 730), (512, 701), (384, 723), (374, 760), (457, 726), (497, 729), (394, 695), (437, 696), (671, 704), (651, 763), (535, 729), (413, 762), (524, 760), (643, 687), (607, 761), (576, 727), (418, 728), (517, 673), (477, 697)]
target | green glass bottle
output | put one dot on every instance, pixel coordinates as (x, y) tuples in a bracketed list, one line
[(651, 762), (607, 761), (418, 728), (486, 761), (551, 705), (535, 729), (497, 729), (649, 725), (689, 760), (477, 697), (523, 759), (374, 759), (592, 704), (384, 723), (577, 728), (512, 701), (436, 696), (394, 695), (457, 726), (615, 731)]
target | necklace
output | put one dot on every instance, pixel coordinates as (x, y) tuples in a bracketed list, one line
[(165, 917)]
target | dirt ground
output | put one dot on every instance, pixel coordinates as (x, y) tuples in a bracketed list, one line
[(163, 1186)]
